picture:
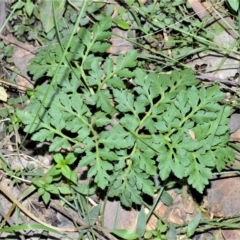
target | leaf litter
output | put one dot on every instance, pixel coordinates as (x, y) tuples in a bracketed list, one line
[(184, 201)]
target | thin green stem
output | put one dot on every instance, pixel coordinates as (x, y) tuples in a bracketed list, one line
[(58, 133), (55, 76), (10, 15), (60, 42), (238, 41), (155, 203)]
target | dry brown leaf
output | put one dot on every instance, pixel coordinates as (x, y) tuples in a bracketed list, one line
[(127, 219), (3, 94)]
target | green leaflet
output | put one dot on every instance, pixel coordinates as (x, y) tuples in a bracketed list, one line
[(127, 133)]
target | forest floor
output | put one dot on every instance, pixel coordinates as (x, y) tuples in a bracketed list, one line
[(208, 43)]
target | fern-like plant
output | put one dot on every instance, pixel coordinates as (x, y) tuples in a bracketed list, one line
[(125, 131)]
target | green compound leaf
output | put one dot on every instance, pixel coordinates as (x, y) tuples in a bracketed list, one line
[(99, 171), (143, 183), (104, 101), (43, 135), (100, 28), (85, 36), (144, 160), (117, 138), (123, 124), (127, 193), (100, 119), (198, 175), (125, 100), (108, 66), (129, 60), (59, 143), (87, 160), (100, 47), (125, 183)]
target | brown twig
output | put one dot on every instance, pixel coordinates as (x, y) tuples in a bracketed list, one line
[(28, 213), (17, 43), (214, 79)]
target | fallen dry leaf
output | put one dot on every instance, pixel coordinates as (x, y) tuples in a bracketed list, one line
[(21, 57), (126, 219), (3, 94)]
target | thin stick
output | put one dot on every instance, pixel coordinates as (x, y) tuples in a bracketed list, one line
[(214, 79)]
